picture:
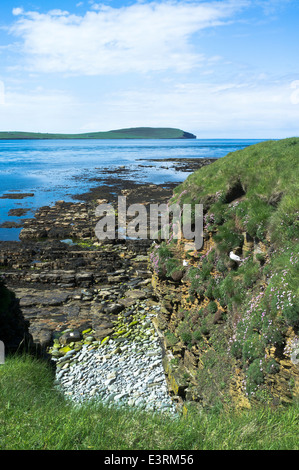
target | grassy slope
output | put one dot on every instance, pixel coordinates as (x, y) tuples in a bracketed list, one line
[(264, 170), (253, 191), (133, 133)]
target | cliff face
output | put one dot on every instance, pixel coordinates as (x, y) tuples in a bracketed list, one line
[(230, 310), (13, 327)]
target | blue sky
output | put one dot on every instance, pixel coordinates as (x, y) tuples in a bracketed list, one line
[(219, 69)]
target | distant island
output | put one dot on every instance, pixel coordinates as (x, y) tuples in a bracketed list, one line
[(131, 133)]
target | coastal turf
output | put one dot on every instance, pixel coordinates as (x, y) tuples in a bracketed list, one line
[(35, 416)]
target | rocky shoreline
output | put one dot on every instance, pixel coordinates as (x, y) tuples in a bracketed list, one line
[(92, 303)]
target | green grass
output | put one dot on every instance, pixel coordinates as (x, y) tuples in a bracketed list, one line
[(263, 171), (131, 133), (34, 416)]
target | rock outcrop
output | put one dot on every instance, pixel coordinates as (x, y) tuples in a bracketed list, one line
[(230, 317), (196, 337), (14, 329)]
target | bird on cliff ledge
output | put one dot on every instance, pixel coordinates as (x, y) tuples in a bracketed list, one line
[(235, 257)]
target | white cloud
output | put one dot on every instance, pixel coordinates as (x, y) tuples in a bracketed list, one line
[(58, 12), (37, 110), (229, 110), (17, 11), (137, 38), (2, 93), (220, 99), (271, 7), (295, 94), (255, 109)]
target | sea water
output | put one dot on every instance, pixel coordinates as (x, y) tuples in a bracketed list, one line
[(54, 170)]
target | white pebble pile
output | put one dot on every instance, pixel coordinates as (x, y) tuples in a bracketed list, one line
[(119, 373)]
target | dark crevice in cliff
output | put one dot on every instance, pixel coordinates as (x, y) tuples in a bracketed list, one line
[(234, 192)]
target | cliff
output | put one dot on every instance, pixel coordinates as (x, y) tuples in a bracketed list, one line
[(13, 327), (230, 310)]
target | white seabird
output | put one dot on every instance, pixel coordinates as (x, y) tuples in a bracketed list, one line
[(234, 257)]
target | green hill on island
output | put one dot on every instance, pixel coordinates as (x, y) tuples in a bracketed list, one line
[(131, 133)]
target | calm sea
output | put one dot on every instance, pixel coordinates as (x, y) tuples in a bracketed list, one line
[(59, 169)]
